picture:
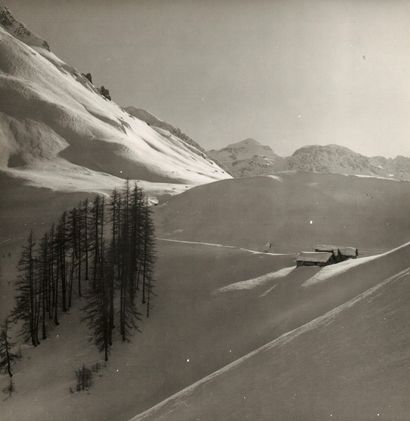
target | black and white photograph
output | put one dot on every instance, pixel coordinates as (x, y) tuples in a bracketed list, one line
[(204, 210)]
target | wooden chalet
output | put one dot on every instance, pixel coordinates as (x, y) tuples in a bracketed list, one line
[(340, 253), (314, 258)]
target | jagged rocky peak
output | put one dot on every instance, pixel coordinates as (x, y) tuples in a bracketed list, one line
[(19, 30)]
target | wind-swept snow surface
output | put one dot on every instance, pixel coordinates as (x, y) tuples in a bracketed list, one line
[(293, 215), (58, 132), (260, 280), (183, 404)]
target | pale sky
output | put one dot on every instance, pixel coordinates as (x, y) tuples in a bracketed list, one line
[(287, 73)]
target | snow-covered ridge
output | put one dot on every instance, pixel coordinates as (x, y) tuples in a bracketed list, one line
[(19, 30), (57, 131), (250, 158)]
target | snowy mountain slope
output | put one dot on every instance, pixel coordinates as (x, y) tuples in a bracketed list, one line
[(250, 158), (294, 212), (57, 131), (161, 125)]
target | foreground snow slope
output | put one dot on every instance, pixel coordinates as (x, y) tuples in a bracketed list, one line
[(194, 332), (57, 131), (349, 363)]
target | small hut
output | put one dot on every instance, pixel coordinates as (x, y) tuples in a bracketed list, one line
[(340, 253), (348, 253), (326, 248), (313, 258)]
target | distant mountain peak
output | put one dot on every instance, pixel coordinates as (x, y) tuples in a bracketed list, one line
[(249, 158), (246, 142)]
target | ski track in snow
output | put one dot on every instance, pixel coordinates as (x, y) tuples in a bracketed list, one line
[(274, 177), (264, 252), (331, 271), (219, 245), (176, 400), (269, 290), (379, 177), (255, 282)]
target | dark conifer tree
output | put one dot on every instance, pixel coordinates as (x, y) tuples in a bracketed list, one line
[(97, 311), (61, 249), (53, 280), (84, 237), (26, 294), (123, 259), (55, 268), (148, 259), (74, 243), (77, 251), (44, 281), (109, 278), (95, 236), (129, 314), (7, 357), (72, 267), (98, 307), (137, 237), (115, 208)]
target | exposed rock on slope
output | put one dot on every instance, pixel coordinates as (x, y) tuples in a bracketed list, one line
[(19, 30)]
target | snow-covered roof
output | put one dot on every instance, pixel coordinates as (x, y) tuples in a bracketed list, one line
[(327, 248), (313, 256), (348, 251), (342, 250)]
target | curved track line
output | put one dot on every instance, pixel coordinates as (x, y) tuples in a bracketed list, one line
[(171, 240)]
